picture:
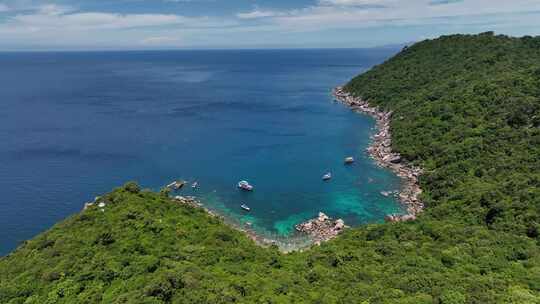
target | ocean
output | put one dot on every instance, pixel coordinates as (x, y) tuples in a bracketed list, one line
[(74, 125)]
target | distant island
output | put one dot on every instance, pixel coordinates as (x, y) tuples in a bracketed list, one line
[(464, 108)]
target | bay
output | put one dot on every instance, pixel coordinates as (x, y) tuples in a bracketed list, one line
[(75, 125)]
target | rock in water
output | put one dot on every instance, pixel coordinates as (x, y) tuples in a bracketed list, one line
[(322, 228)]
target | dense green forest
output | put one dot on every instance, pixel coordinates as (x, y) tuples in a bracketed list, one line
[(466, 108)]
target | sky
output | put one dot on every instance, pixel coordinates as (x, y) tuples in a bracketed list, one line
[(202, 24)]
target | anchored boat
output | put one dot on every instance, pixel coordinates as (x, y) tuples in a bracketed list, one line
[(349, 160), (244, 185), (179, 185), (327, 176), (245, 207), (176, 185)]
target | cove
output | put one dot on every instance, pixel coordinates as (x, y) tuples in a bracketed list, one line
[(82, 123)]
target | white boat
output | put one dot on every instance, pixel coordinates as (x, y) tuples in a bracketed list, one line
[(245, 207), (327, 176), (195, 185), (244, 185), (176, 185), (349, 160)]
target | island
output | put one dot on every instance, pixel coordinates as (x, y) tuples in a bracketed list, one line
[(464, 108)]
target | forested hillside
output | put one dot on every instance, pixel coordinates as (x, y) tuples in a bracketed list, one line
[(466, 109)]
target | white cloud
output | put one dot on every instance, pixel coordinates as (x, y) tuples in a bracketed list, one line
[(25, 23), (255, 14), (357, 2), (66, 19), (160, 41), (59, 26), (90, 21), (32, 5), (368, 13), (53, 9)]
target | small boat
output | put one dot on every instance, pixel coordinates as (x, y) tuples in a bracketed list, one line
[(244, 185), (327, 176), (179, 184), (245, 207), (349, 160), (195, 185), (176, 185)]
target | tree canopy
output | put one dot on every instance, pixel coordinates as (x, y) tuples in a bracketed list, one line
[(466, 108)]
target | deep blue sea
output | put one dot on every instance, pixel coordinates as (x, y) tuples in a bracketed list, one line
[(76, 125)]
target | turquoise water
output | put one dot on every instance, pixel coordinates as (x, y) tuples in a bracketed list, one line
[(288, 185), (75, 125)]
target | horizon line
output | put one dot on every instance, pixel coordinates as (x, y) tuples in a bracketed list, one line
[(103, 50)]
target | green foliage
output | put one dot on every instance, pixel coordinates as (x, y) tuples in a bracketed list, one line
[(466, 108), (165, 191), (452, 297), (132, 187)]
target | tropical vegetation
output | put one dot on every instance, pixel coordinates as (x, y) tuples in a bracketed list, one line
[(466, 108)]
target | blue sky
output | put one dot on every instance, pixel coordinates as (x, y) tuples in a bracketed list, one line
[(172, 24)]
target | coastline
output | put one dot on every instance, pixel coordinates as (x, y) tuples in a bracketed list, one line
[(322, 228), (381, 151), (316, 230), (286, 245)]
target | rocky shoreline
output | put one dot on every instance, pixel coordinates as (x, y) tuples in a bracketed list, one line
[(381, 151), (321, 228), (245, 228)]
